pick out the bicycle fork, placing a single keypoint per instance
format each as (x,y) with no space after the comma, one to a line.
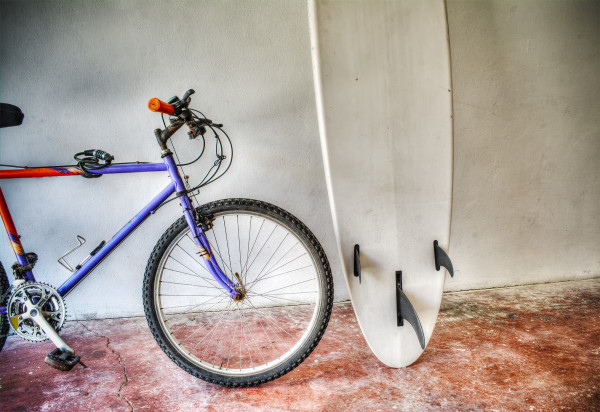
(204,249)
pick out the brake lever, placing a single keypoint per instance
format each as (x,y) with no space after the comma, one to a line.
(186,96)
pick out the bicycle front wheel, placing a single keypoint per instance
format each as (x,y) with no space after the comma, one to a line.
(286,285)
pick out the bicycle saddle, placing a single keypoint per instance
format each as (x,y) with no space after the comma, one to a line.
(10,115)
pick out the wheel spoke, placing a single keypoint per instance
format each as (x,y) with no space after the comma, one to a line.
(271,323)
(274,322)
(219,252)
(227,243)
(289,286)
(237,219)
(280,259)
(258,254)
(272,256)
(253,244)
(273,297)
(274,276)
(191,284)
(186,273)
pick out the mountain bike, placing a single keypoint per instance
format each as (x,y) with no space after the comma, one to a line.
(236,292)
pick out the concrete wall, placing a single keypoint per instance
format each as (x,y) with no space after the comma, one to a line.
(527,129)
(83,71)
(527,141)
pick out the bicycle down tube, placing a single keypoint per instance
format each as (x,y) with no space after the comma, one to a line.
(175,186)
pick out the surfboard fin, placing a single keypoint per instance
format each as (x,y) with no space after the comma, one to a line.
(357,273)
(442,259)
(406,311)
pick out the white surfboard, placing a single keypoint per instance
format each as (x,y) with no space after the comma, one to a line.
(383,90)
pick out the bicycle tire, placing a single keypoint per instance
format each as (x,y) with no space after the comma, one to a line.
(213,316)
(4,327)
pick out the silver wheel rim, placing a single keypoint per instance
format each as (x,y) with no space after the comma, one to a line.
(264,330)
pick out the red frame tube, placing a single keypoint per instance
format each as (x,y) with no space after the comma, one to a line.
(13,235)
(40,172)
(74,170)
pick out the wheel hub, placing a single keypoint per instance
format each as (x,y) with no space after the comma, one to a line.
(240,288)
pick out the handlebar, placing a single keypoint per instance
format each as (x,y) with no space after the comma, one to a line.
(179,115)
(157,105)
(174,106)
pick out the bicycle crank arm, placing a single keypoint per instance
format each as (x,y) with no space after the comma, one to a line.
(38,318)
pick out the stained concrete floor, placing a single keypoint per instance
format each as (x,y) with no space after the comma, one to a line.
(524,348)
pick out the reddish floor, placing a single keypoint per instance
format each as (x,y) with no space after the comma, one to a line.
(514,349)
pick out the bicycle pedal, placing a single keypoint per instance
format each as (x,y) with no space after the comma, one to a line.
(62,360)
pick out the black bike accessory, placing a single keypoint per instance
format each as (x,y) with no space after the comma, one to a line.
(19,271)
(10,115)
(405,310)
(357,271)
(90,160)
(196,131)
(62,360)
(32,258)
(92,253)
(442,259)
(177,105)
(186,96)
(99,154)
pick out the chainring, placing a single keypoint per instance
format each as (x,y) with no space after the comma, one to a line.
(33,294)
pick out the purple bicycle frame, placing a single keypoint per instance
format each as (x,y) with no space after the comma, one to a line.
(175,186)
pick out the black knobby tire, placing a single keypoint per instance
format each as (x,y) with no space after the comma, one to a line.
(4,285)
(273,328)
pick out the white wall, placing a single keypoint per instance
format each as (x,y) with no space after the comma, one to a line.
(83,71)
(527,129)
(527,141)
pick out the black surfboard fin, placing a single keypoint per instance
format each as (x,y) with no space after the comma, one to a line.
(406,311)
(442,259)
(357,272)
